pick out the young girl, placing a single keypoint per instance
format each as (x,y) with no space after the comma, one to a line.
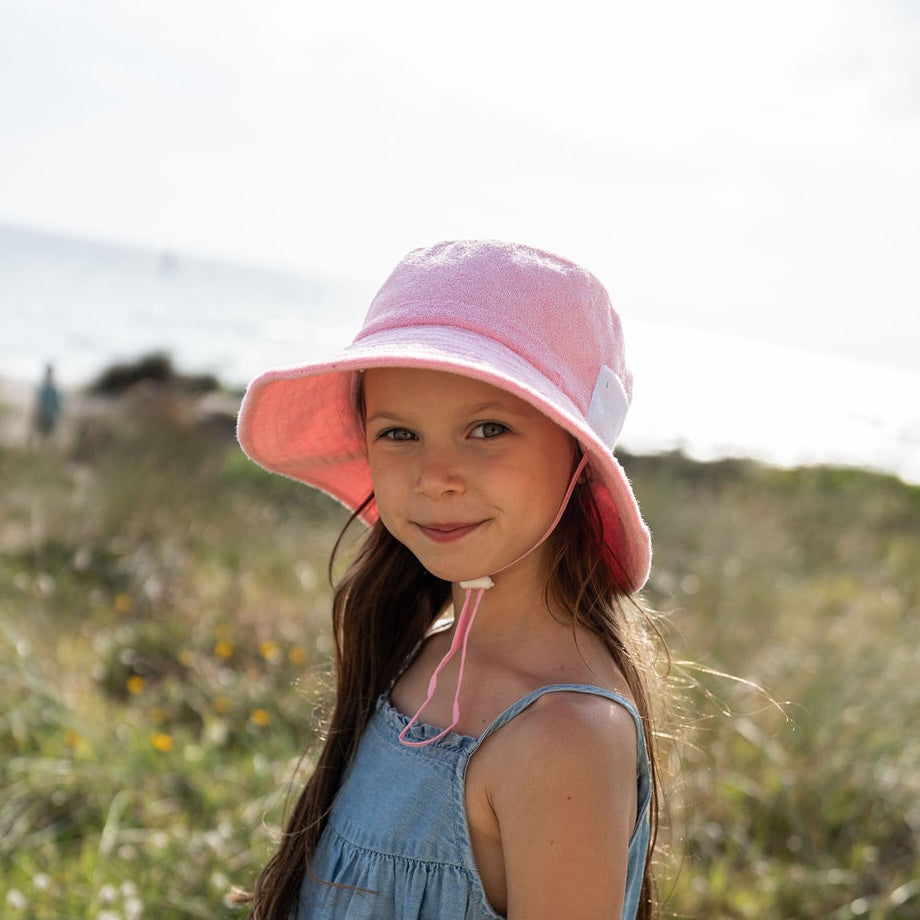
(501,765)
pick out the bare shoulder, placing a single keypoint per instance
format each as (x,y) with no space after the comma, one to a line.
(579,733)
(572,746)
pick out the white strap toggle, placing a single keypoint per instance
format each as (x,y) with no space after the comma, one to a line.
(484,582)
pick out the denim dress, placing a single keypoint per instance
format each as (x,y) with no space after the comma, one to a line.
(397,845)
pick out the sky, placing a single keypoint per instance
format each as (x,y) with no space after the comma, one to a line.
(745,168)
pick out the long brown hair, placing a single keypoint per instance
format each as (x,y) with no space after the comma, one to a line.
(383,606)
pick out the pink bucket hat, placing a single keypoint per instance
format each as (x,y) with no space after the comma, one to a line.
(527,321)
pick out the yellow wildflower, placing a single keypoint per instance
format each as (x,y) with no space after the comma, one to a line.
(270,651)
(221,705)
(223,649)
(260,717)
(135,684)
(297,655)
(162,742)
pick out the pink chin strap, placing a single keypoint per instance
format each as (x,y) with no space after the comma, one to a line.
(464,623)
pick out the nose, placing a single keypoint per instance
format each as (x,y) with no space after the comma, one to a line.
(439,472)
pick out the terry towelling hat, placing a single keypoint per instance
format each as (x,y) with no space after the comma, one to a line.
(527,321)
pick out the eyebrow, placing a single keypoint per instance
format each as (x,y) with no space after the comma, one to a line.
(476,409)
(479,408)
(381,416)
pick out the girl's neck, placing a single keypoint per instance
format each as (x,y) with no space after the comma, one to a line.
(516,603)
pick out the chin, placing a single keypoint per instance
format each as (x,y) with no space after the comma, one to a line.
(451,573)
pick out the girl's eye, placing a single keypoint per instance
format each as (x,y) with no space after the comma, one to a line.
(396,434)
(488,430)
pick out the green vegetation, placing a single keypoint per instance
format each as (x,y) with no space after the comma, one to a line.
(802,799)
(164,660)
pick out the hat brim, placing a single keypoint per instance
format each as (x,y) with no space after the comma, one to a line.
(300,422)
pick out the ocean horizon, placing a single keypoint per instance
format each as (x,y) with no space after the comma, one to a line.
(83,306)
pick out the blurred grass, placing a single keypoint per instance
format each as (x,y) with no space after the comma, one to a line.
(164,653)
(805,582)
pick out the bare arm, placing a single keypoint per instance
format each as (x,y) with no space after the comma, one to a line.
(566,807)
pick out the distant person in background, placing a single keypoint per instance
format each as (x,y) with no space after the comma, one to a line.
(48,404)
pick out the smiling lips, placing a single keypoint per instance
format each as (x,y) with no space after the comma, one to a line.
(446,533)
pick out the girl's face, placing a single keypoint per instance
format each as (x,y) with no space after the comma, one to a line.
(466,475)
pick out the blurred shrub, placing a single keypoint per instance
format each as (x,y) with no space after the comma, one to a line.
(156,368)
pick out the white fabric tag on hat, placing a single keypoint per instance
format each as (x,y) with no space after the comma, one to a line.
(609,404)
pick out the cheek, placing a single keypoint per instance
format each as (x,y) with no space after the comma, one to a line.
(559,457)
(386,489)
(390,510)
(383,500)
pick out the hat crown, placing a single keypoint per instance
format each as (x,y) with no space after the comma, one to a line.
(552,313)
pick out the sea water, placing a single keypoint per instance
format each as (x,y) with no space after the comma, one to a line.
(83,306)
